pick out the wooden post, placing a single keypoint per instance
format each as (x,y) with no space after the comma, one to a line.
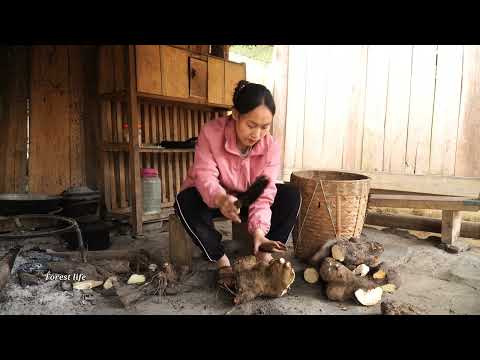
(136,200)
(180,244)
(451,223)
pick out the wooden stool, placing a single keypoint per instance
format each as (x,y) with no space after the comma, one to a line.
(181,246)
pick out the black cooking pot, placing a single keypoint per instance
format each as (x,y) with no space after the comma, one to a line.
(17,204)
(80,201)
(95,236)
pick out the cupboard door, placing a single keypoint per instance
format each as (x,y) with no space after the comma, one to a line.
(234,72)
(198,78)
(216,81)
(174,69)
(149,75)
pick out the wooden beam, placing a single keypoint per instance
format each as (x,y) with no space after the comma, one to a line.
(468,229)
(425,184)
(136,200)
(424,202)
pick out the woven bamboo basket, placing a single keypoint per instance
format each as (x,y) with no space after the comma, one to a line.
(334,206)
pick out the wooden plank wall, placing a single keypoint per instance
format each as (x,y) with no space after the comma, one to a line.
(393,109)
(13,118)
(63,118)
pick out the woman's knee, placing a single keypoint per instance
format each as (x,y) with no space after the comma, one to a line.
(291,194)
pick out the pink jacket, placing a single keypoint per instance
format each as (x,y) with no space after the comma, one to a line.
(219,168)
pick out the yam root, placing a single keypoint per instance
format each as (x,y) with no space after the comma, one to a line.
(255,279)
(390,307)
(323,252)
(355,252)
(311,275)
(342,282)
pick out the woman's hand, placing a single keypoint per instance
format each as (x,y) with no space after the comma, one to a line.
(261,243)
(226,205)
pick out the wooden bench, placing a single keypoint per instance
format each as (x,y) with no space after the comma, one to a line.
(182,248)
(451,207)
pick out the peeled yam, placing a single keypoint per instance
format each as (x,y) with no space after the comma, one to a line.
(369,297)
(109,282)
(136,279)
(87,284)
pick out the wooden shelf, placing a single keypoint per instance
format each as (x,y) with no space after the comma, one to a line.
(162,215)
(114,95)
(158,149)
(196,103)
(116,147)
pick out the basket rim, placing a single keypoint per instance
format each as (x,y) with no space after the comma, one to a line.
(300,172)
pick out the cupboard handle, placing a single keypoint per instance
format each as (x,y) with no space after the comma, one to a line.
(193,73)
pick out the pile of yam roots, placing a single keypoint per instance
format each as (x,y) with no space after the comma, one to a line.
(352,269)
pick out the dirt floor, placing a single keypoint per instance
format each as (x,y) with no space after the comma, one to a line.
(433,280)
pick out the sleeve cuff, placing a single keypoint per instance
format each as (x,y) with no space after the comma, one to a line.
(254,225)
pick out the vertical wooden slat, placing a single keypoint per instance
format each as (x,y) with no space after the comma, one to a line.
(195,122)
(280,88)
(121,161)
(315,96)
(119,67)
(105,114)
(183,136)
(49,162)
(295,107)
(163,159)
(200,119)
(154,133)
(146,132)
(106,76)
(421,109)
(133,115)
(169,157)
(396,121)
(77,93)
(175,157)
(339,80)
(446,110)
(468,149)
(170,160)
(352,151)
(14,89)
(189,134)
(112,164)
(375,105)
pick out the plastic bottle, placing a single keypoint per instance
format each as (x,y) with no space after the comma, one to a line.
(152,191)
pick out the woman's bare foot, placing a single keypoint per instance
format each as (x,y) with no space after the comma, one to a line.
(223,262)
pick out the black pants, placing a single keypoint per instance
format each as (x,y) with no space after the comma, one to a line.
(197,218)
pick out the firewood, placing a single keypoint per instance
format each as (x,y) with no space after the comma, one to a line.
(311,275)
